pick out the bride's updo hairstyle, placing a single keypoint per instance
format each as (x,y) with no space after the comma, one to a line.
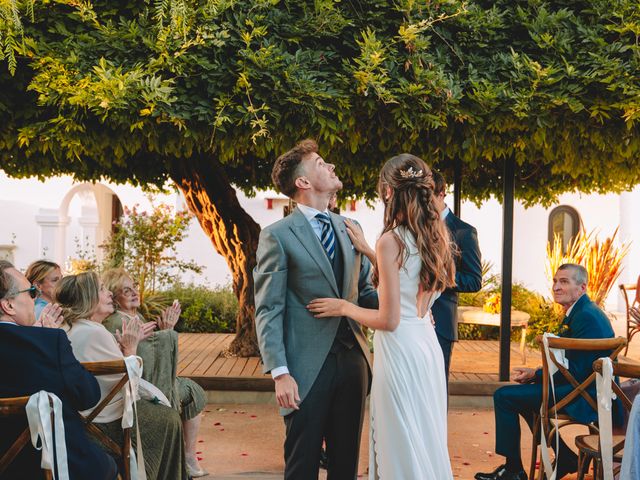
(406,188)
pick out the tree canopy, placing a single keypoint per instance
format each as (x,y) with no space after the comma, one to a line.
(208,93)
(124,89)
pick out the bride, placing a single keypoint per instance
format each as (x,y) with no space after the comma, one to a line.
(408,404)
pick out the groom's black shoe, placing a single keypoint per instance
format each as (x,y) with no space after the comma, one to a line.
(501,473)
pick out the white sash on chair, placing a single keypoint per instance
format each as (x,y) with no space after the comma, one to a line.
(134,370)
(39,417)
(605,397)
(544,448)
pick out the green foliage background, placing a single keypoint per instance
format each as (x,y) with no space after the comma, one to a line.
(205,310)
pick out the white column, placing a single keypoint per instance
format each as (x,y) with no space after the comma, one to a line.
(89,223)
(52,234)
(630,232)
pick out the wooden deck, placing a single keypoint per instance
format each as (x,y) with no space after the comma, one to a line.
(474,365)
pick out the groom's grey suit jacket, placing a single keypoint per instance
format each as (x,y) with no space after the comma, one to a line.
(293,269)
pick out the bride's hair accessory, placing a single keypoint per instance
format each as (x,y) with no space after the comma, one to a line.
(411,173)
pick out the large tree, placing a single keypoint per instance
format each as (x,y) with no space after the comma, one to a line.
(207,93)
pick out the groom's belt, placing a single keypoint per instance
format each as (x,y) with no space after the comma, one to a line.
(344,339)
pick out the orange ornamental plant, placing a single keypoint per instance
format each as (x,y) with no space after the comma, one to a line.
(602,259)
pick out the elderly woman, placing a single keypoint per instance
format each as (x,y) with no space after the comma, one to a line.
(159,353)
(86,304)
(44,275)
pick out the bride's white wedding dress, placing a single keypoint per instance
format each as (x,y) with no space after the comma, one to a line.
(408,404)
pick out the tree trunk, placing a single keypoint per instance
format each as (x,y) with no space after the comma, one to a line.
(232,231)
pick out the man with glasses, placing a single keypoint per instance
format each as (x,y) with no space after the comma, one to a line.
(35,359)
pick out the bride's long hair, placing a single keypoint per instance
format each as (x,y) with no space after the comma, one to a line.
(406,187)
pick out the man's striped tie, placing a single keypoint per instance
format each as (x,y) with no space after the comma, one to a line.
(327,238)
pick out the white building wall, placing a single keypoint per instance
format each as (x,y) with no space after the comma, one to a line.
(600,212)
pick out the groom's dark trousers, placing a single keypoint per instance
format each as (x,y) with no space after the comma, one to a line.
(333,410)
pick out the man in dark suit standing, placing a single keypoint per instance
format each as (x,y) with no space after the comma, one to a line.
(468,273)
(584,319)
(35,359)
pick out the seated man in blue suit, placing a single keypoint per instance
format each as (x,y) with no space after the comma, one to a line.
(35,359)
(583,319)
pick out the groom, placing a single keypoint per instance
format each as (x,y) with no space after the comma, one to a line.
(321,368)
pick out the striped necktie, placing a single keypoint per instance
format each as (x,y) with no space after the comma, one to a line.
(327,238)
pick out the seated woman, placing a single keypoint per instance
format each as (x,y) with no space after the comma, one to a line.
(44,275)
(86,303)
(160,355)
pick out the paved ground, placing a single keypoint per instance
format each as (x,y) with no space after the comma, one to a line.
(244,442)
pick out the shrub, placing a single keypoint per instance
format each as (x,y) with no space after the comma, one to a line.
(145,244)
(544,317)
(204,310)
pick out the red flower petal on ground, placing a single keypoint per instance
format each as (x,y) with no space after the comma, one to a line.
(466,463)
(254,416)
(244,454)
(217,424)
(200,441)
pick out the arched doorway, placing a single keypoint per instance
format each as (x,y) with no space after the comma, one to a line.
(564,221)
(84,222)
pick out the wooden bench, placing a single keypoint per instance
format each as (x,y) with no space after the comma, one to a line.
(477,316)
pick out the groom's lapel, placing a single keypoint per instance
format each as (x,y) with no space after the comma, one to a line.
(303,231)
(346,248)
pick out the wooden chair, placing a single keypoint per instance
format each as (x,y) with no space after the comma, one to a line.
(551,417)
(629,294)
(15,407)
(120,451)
(589,445)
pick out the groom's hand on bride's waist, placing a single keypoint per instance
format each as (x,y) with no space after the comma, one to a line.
(287,391)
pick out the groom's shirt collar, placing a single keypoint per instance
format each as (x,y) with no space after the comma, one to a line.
(310,214)
(445,212)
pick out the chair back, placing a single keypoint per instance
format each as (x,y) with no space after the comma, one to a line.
(629,294)
(15,407)
(110,367)
(616,345)
(626,370)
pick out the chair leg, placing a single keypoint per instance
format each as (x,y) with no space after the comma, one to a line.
(583,465)
(534,448)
